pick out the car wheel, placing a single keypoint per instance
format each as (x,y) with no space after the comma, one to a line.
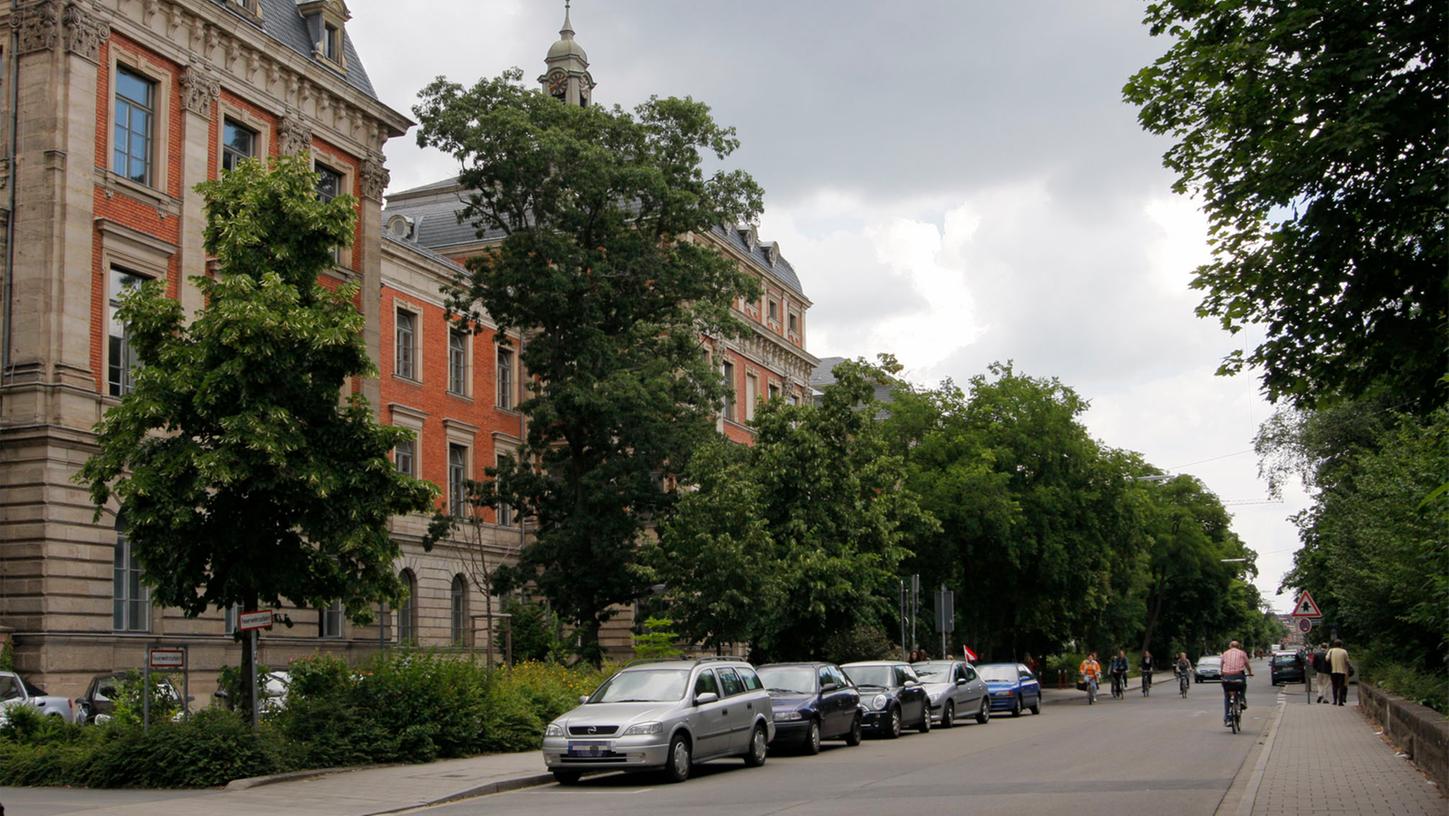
(894,730)
(984,715)
(1016,707)
(677,763)
(812,739)
(759,748)
(1036,706)
(925,726)
(854,735)
(948,714)
(567,777)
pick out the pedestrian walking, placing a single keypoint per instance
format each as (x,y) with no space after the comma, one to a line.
(1339,667)
(1319,660)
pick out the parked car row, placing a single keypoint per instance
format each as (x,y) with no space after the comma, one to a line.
(96,705)
(671,715)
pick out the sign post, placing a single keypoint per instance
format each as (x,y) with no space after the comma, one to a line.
(252,623)
(945,615)
(1305,612)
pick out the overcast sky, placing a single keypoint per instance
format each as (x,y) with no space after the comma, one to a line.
(955,182)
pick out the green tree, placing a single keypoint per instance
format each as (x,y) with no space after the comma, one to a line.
(597,265)
(240,476)
(1314,135)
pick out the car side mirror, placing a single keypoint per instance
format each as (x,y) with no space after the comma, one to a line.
(829,687)
(960,681)
(913,682)
(705,698)
(583,698)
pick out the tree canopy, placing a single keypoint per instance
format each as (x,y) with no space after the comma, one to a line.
(1314,135)
(598,266)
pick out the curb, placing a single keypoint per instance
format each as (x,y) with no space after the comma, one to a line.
(497,786)
(294,776)
(1255,781)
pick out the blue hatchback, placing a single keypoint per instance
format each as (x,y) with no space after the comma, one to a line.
(1012,687)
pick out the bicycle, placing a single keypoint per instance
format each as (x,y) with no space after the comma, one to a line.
(1089,685)
(1119,686)
(1146,683)
(1183,681)
(1235,689)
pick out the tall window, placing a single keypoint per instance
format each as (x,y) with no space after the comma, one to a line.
(238,144)
(130,600)
(329,182)
(505,378)
(504,511)
(457,475)
(458,362)
(794,323)
(332,43)
(405,457)
(407,614)
(773,390)
(407,344)
(728,369)
(752,392)
(135,125)
(459,596)
(121,360)
(231,618)
(774,310)
(330,620)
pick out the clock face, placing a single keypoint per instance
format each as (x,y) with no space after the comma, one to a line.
(557,84)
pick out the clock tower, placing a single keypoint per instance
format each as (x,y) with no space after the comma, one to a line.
(567,76)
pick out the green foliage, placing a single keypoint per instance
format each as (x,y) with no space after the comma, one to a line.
(7,656)
(1400,677)
(658,640)
(534,631)
(239,477)
(598,270)
(130,707)
(1314,136)
(863,641)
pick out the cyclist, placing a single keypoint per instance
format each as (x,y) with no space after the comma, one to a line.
(1235,665)
(1091,672)
(1182,667)
(1146,672)
(1118,668)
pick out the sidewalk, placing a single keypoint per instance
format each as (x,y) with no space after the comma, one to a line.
(1326,759)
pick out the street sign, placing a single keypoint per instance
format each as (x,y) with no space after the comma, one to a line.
(945,611)
(261,619)
(163,657)
(1306,607)
(1305,625)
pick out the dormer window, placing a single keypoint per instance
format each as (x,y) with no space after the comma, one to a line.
(325,27)
(251,8)
(400,227)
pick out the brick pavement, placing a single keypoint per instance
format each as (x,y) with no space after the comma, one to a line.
(1327,760)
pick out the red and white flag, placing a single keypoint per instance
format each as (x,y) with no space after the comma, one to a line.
(970,655)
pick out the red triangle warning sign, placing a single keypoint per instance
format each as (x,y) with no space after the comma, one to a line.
(1307,607)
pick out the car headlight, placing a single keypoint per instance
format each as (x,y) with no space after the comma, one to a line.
(792,714)
(553,730)
(644,729)
(878,702)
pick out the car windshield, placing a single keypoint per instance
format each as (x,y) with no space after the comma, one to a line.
(933,672)
(643,686)
(997,673)
(1285,659)
(9,689)
(789,679)
(870,675)
(1209,661)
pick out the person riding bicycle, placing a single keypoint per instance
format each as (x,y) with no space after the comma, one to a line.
(1235,665)
(1182,670)
(1091,670)
(1118,668)
(1146,668)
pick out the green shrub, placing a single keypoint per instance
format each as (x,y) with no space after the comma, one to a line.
(862,641)
(7,656)
(534,631)
(1405,681)
(657,641)
(510,722)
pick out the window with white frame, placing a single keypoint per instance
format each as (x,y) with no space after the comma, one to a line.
(457,479)
(238,143)
(458,362)
(506,386)
(752,392)
(727,370)
(134,131)
(329,620)
(794,322)
(406,356)
(774,390)
(121,360)
(329,182)
(405,456)
(407,613)
(504,511)
(130,599)
(230,618)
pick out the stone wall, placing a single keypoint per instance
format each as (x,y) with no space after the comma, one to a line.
(1419,731)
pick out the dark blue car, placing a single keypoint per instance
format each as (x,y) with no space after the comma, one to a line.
(1012,687)
(812,702)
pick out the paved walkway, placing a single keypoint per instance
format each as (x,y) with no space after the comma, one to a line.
(1327,760)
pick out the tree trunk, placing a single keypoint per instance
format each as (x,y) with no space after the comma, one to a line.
(589,647)
(1157,593)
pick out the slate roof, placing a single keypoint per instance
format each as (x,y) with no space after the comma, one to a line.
(782,271)
(282,22)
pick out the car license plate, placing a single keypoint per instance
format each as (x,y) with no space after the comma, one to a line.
(588,749)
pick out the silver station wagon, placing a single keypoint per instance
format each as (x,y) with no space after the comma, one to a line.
(664,715)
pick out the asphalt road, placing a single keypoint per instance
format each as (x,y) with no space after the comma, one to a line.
(1137,755)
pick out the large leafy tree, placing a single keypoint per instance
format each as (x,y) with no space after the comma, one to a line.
(242,474)
(1314,134)
(596,264)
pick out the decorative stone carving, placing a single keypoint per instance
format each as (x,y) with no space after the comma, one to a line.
(296,134)
(374,177)
(37,26)
(4,173)
(199,89)
(85,30)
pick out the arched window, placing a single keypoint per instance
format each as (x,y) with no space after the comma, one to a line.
(460,610)
(407,614)
(130,600)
